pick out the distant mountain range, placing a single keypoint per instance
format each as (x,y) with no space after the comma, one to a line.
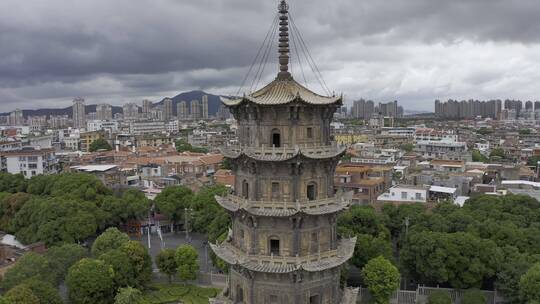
(214,103)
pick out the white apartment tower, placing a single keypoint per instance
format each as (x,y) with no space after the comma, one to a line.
(79,113)
(205,107)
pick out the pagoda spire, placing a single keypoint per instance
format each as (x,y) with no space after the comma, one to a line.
(283,50)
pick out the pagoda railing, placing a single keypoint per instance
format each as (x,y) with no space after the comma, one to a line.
(277,205)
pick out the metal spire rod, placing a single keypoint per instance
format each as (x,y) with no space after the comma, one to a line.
(283,9)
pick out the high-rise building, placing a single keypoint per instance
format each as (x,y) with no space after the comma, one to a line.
(284,246)
(79,113)
(529,106)
(146,107)
(16,118)
(195,109)
(131,111)
(205,107)
(468,109)
(390,109)
(167,109)
(104,112)
(182,110)
(363,109)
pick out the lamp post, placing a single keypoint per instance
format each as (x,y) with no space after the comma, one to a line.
(186,222)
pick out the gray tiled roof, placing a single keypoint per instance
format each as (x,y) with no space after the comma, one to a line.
(283,91)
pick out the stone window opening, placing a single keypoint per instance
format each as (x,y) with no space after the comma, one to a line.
(315,299)
(311,191)
(275,190)
(274,246)
(245,189)
(276,138)
(309,133)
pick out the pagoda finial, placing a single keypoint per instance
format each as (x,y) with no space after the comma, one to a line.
(283,9)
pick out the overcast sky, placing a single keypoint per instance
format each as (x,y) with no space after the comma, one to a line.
(119,51)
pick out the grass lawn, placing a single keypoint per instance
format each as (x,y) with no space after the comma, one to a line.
(175,293)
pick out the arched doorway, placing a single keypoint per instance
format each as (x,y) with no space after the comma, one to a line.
(239,294)
(311,191)
(276,138)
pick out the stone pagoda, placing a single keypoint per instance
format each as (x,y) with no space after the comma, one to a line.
(283,246)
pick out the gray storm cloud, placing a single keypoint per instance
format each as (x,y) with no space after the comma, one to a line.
(411,50)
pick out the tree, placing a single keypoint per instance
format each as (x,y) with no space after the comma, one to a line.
(100,144)
(44,291)
(439,297)
(187,260)
(368,247)
(166,262)
(90,281)
(183,146)
(12,183)
(514,265)
(140,260)
(128,295)
(111,239)
(473,296)
(21,294)
(172,202)
(124,272)
(407,147)
(460,259)
(498,152)
(477,156)
(529,285)
(30,265)
(9,206)
(533,161)
(62,257)
(382,279)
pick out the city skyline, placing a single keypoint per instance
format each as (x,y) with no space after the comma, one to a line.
(413,52)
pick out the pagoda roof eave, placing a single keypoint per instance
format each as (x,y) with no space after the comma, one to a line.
(277,264)
(281,154)
(285,209)
(283,91)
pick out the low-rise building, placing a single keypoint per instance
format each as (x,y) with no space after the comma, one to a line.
(29,162)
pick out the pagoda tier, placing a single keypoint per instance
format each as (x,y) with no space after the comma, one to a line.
(283,264)
(330,205)
(283,154)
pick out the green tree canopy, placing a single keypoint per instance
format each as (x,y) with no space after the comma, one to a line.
(497,152)
(439,297)
(473,296)
(184,146)
(9,206)
(100,144)
(62,257)
(30,265)
(140,260)
(21,294)
(529,285)
(44,291)
(172,202)
(187,260)
(460,259)
(12,183)
(166,262)
(90,281)
(111,239)
(124,272)
(479,157)
(381,278)
(128,295)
